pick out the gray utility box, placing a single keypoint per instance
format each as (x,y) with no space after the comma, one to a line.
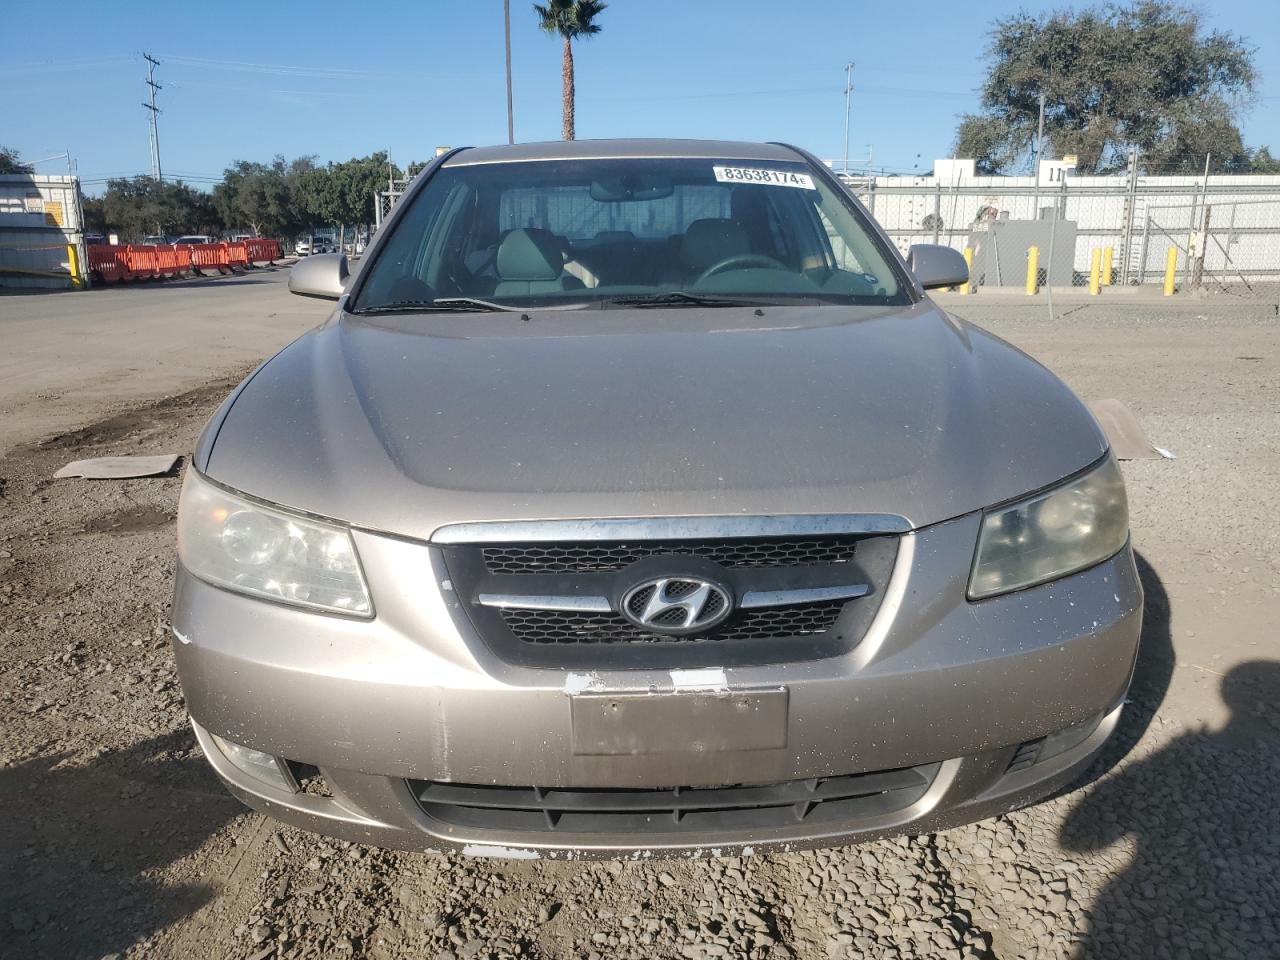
(1000,251)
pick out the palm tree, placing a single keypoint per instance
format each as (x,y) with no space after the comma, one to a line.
(571,19)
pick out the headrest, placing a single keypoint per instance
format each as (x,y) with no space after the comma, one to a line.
(709,241)
(530,254)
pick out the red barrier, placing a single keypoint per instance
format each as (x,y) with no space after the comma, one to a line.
(172,261)
(209,256)
(237,255)
(138,261)
(107,262)
(259,250)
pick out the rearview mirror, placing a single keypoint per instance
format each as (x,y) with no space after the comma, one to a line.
(322,275)
(937,266)
(631,187)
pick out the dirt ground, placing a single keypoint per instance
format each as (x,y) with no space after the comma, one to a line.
(117,840)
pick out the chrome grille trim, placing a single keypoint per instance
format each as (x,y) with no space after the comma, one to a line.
(669,528)
(515,601)
(755,599)
(752,600)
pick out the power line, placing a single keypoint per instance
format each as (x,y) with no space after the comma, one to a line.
(280,69)
(152,63)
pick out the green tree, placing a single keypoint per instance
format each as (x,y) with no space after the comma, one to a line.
(11,162)
(95,215)
(268,199)
(1261,161)
(570,20)
(343,193)
(1144,74)
(138,206)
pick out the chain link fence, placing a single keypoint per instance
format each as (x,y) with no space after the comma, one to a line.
(1218,236)
(384,200)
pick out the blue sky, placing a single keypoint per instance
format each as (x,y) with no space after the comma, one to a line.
(246,81)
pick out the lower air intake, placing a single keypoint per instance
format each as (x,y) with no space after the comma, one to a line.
(675,810)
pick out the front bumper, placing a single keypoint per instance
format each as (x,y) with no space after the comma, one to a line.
(939,683)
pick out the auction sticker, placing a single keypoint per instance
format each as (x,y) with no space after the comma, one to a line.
(762,175)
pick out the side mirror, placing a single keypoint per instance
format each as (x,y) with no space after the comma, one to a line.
(321,275)
(937,266)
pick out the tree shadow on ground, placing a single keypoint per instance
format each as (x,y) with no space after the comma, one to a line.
(80,846)
(1199,812)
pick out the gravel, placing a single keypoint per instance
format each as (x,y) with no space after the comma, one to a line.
(117,839)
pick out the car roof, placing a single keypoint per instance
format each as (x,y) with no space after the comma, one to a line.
(622,149)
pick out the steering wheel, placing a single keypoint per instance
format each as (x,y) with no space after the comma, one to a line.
(741,261)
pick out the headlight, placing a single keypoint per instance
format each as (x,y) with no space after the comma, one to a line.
(1073,526)
(250,548)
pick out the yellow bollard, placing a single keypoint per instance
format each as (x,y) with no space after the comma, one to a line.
(1170,270)
(73,262)
(1095,271)
(1033,270)
(967,286)
(1108,258)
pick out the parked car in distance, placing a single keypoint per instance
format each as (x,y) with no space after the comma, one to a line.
(637,500)
(155,238)
(195,238)
(311,245)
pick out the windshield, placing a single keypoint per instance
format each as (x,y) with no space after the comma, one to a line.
(579,233)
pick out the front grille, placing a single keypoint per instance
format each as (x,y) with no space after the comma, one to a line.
(558,636)
(555,626)
(703,810)
(602,557)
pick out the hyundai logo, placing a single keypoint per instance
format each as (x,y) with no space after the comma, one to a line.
(676,605)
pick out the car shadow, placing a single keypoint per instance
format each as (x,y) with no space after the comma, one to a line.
(1194,817)
(82,847)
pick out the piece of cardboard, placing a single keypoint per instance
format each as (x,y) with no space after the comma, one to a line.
(1128,439)
(119,468)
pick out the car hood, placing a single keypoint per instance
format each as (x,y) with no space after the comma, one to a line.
(407,423)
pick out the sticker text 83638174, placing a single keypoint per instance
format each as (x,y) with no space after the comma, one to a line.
(762,175)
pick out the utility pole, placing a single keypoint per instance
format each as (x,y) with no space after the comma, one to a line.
(1035,161)
(1035,167)
(506,19)
(1130,210)
(152,63)
(848,92)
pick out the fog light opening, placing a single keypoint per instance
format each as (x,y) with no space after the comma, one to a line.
(309,779)
(1031,752)
(261,766)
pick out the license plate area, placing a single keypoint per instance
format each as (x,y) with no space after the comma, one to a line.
(634,724)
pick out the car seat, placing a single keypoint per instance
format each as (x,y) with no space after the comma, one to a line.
(710,240)
(530,261)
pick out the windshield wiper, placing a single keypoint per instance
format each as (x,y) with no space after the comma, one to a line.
(441,305)
(682,298)
(474,303)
